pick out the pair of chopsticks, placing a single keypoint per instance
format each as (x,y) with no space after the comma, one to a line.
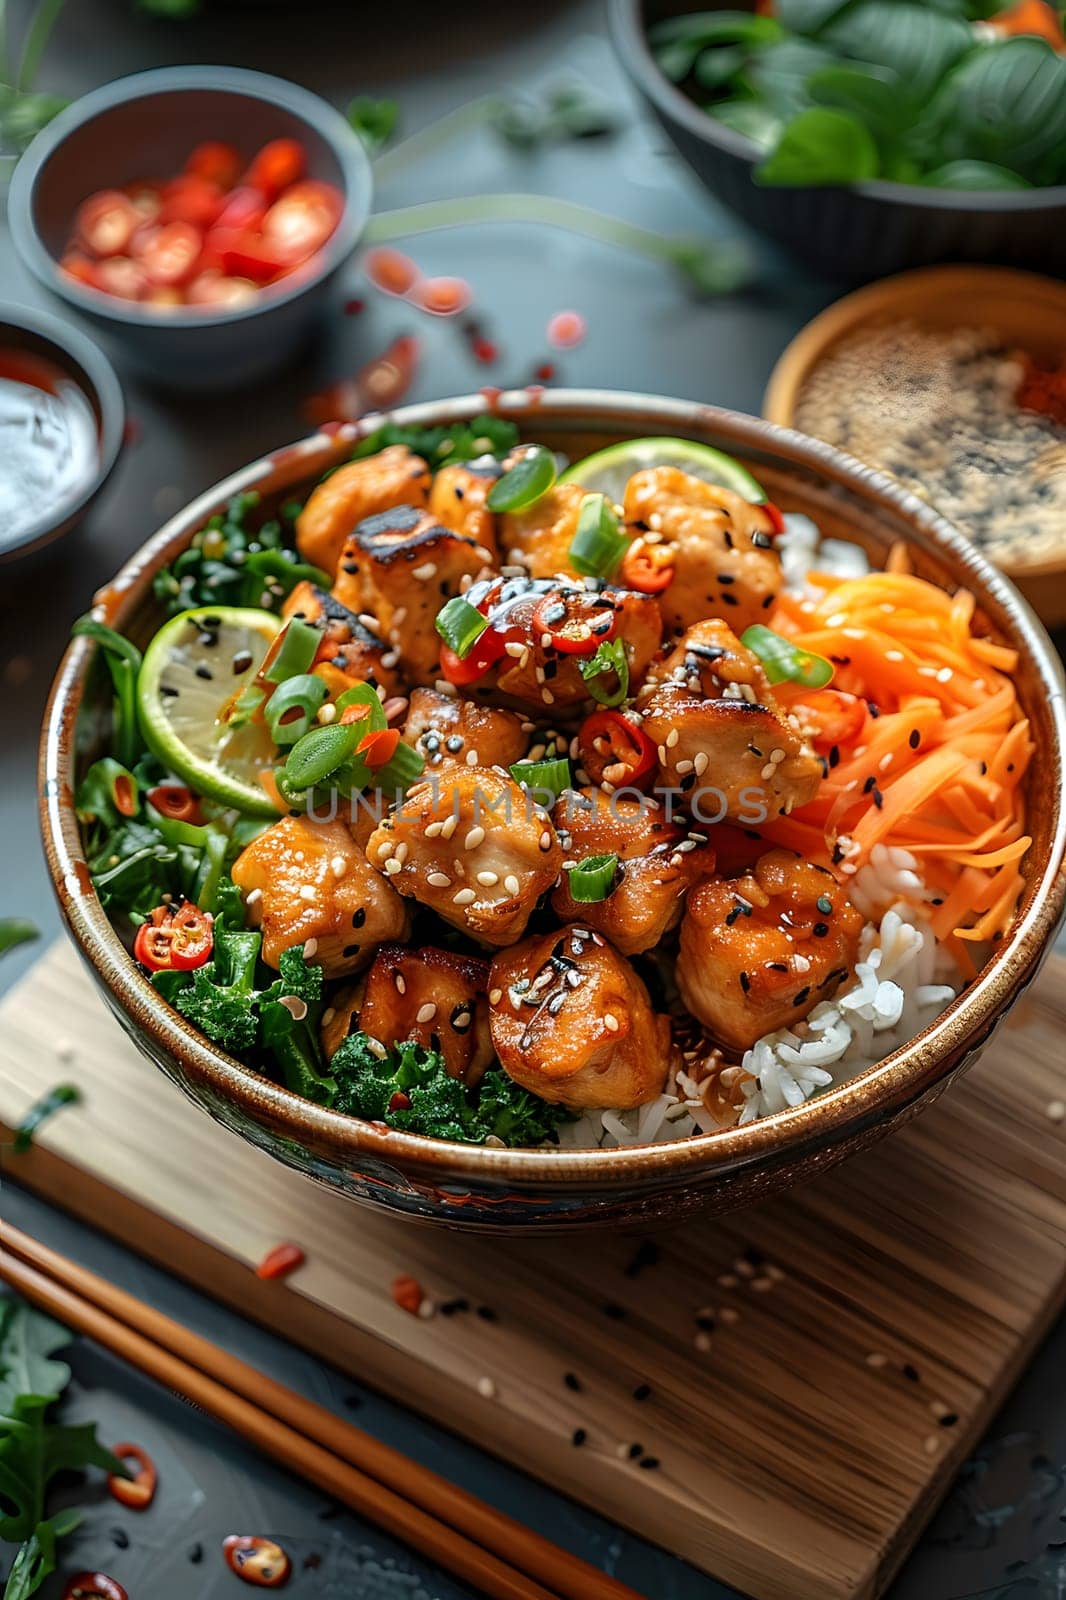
(483,1547)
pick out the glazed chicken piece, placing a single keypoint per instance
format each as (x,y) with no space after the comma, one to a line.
(539,539)
(400,566)
(355,651)
(552,626)
(306,880)
(721,737)
(448,728)
(458,498)
(473,846)
(351,494)
(573,1023)
(658,866)
(758,952)
(435,997)
(724,560)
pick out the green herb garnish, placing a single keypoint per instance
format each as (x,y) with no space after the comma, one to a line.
(552,776)
(599,542)
(784,661)
(64,1094)
(609,661)
(526,482)
(460,625)
(592,879)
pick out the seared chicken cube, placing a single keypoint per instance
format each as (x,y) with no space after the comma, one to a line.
(305,880)
(723,556)
(475,847)
(657,866)
(446,727)
(354,492)
(721,737)
(573,1023)
(552,628)
(458,498)
(350,645)
(401,566)
(437,998)
(758,952)
(539,539)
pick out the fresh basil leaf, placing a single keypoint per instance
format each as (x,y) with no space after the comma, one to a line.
(820,146)
(915,42)
(807,16)
(715,68)
(975,175)
(750,118)
(1006,104)
(872,94)
(702,28)
(779,74)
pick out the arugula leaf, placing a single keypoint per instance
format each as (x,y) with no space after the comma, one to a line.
(807,16)
(35,1560)
(28,1372)
(821,146)
(873,95)
(779,74)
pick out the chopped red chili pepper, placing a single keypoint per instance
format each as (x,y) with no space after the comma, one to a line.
(648,567)
(777,519)
(834,717)
(615,749)
(175,801)
(138,1492)
(175,939)
(279,1262)
(258,1561)
(219,163)
(378,748)
(94,1586)
(407,1293)
(573,621)
(484,653)
(125,795)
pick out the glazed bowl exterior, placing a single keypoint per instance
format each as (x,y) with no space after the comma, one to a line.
(522,1190)
(148,124)
(853,233)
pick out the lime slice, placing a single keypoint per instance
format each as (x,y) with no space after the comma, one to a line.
(608,471)
(192,669)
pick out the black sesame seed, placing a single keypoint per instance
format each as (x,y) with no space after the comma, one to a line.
(877,797)
(820,930)
(205,673)
(646,1255)
(487,1314)
(834,756)
(727,599)
(915,739)
(578,1436)
(802,997)
(350,950)
(949,1419)
(196,1554)
(572,1381)
(635,1450)
(450,1308)
(726,577)
(911,1372)
(165,689)
(745,982)
(642,1391)
(359,917)
(615,1312)
(120,1538)
(649,1463)
(871,783)
(242,661)
(873,710)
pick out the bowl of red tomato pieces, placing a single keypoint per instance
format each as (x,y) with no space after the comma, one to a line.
(199,217)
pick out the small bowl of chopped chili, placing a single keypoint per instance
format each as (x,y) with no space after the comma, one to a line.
(952,379)
(63,418)
(198,217)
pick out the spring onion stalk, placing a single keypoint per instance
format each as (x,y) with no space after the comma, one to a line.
(400,771)
(710,266)
(610,659)
(319,753)
(599,542)
(553,776)
(592,879)
(297,647)
(460,625)
(124,663)
(291,709)
(783,661)
(527,481)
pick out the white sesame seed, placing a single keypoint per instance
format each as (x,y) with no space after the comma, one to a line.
(427,1308)
(702,1341)
(465,897)
(474,837)
(328,1016)
(610,1022)
(426,1013)
(369,621)
(401,851)
(310,949)
(384,849)
(662,754)
(511,884)
(432,829)
(486,1387)
(448,826)
(944,675)
(701,763)
(308,891)
(547,696)
(401,982)
(1056,1110)
(427,570)
(253,898)
(376,1048)
(471,758)
(439,880)
(488,879)
(515,648)
(392,866)
(683,766)
(495,996)
(390,659)
(338,866)
(876,1359)
(671,738)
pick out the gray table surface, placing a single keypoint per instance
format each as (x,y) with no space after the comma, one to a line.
(1000,1531)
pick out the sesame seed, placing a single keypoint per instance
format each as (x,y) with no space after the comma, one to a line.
(465,897)
(701,763)
(433,829)
(307,891)
(400,982)
(495,996)
(487,1388)
(671,738)
(448,826)
(511,884)
(439,880)
(1056,1110)
(426,1013)
(488,879)
(545,840)
(310,949)
(338,866)
(610,1022)
(471,758)
(474,837)
(392,866)
(427,570)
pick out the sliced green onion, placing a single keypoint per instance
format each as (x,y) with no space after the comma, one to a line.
(64,1094)
(364,695)
(291,708)
(297,649)
(319,753)
(553,776)
(530,478)
(460,625)
(400,771)
(599,543)
(124,663)
(785,662)
(593,878)
(610,658)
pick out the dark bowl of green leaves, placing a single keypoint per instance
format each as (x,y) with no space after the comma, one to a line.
(866,136)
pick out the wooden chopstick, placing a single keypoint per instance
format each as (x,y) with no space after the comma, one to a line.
(461,1533)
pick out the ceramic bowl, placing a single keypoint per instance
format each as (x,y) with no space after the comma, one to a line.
(522,1190)
(1023,308)
(147,125)
(851,233)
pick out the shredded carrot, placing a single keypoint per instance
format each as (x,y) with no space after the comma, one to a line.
(938,767)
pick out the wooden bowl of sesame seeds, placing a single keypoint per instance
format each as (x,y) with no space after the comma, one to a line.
(943,377)
(488,1189)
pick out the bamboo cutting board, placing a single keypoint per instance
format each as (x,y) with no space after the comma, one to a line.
(781,1396)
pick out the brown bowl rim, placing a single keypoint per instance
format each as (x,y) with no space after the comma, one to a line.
(897,1082)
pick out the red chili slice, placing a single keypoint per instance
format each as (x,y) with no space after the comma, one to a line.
(484,654)
(378,748)
(258,1561)
(174,800)
(245,254)
(105,222)
(278,164)
(170,254)
(151,947)
(302,219)
(391,271)
(441,297)
(776,517)
(193,938)
(608,741)
(94,1586)
(219,163)
(191,199)
(138,1492)
(574,622)
(835,717)
(648,568)
(407,1293)
(124,791)
(279,1262)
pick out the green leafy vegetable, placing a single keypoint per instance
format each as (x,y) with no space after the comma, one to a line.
(568,111)
(231,563)
(33,1448)
(124,663)
(820,146)
(408,1088)
(64,1094)
(375,121)
(462,441)
(221,997)
(24,111)
(15,931)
